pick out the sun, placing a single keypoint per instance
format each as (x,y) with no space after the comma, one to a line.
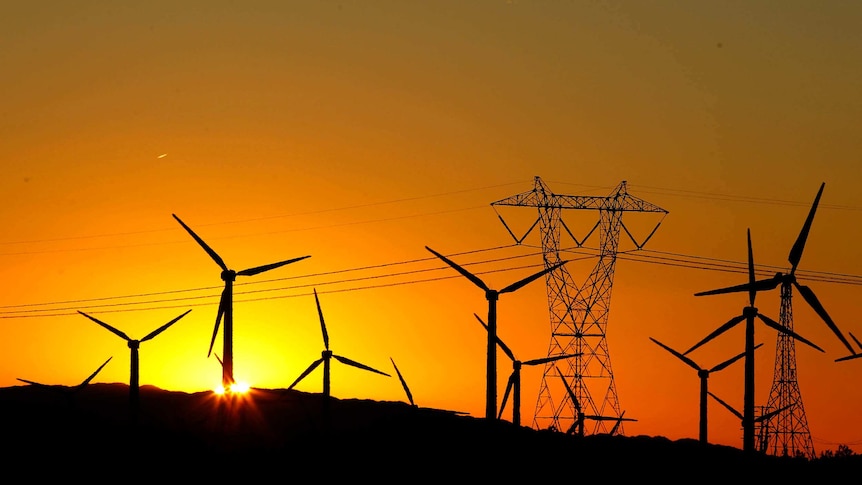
(235,388)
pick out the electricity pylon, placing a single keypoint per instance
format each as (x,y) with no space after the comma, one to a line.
(789,434)
(579,315)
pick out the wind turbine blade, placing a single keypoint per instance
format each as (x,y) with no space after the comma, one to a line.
(569,391)
(781,328)
(751,291)
(222,305)
(110,328)
(796,251)
(322,323)
(403,383)
(682,357)
(731,360)
(499,341)
(727,326)
(770,414)
(855,340)
(849,357)
(760,285)
(345,360)
(204,245)
(470,276)
(33,383)
(267,267)
(728,406)
(812,301)
(509,385)
(617,425)
(164,327)
(531,278)
(552,358)
(87,380)
(306,372)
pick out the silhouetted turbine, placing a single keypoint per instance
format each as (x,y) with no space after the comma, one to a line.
(403,383)
(225,307)
(514,384)
(492,296)
(580,417)
(68,390)
(788,280)
(759,419)
(704,381)
(325,357)
(134,387)
(748,315)
(853,354)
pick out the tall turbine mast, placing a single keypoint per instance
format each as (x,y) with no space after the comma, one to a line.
(579,315)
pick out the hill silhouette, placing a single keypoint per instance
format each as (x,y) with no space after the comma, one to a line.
(277,433)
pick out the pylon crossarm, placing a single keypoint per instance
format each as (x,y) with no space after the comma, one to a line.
(582,241)
(649,236)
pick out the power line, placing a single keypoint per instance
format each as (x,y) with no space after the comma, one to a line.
(641,256)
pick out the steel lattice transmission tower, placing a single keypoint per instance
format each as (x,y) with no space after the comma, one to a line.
(787,433)
(579,315)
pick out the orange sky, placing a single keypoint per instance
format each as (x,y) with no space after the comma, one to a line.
(360,132)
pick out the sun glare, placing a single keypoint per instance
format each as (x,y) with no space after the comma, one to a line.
(235,388)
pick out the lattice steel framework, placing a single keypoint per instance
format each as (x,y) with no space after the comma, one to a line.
(579,315)
(787,433)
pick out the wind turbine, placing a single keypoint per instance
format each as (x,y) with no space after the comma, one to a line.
(578,426)
(134,386)
(749,313)
(492,296)
(326,356)
(853,354)
(68,390)
(225,307)
(514,383)
(759,419)
(788,280)
(403,383)
(704,381)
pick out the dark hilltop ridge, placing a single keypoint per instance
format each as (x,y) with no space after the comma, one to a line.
(92,433)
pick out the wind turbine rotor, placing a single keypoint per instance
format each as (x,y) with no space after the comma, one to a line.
(204,245)
(163,327)
(727,326)
(306,372)
(470,276)
(502,345)
(322,322)
(403,382)
(796,251)
(529,279)
(222,307)
(345,360)
(267,267)
(110,328)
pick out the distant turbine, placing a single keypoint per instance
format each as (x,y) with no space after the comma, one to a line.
(325,357)
(68,390)
(748,314)
(492,296)
(759,419)
(225,307)
(514,383)
(578,426)
(704,381)
(403,383)
(134,387)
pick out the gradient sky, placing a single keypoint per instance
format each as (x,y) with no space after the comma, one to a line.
(360,132)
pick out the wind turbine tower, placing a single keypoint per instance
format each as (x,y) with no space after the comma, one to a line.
(579,315)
